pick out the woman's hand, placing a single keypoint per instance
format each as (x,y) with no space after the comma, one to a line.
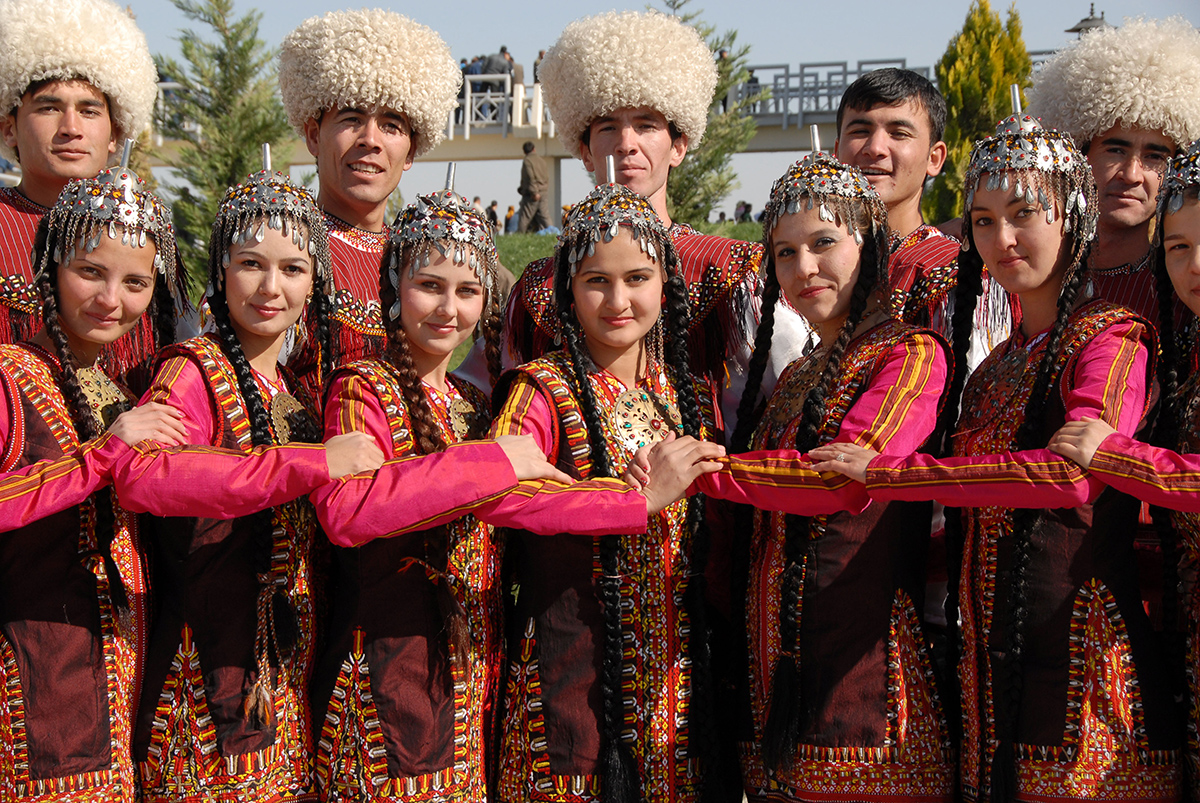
(637,473)
(527,460)
(671,467)
(151,421)
(352,453)
(1078,440)
(847,459)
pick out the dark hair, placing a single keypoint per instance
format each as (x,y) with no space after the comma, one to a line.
(427,437)
(1025,521)
(619,771)
(892,86)
(527,147)
(781,731)
(162,312)
(282,616)
(1173,414)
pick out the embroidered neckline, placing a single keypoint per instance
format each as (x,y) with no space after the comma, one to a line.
(1123,270)
(358,237)
(19,199)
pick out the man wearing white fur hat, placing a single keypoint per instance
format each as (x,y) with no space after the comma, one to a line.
(1128,97)
(638,87)
(76,78)
(368,91)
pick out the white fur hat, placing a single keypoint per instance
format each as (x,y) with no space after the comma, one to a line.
(619,60)
(1143,74)
(95,40)
(374,59)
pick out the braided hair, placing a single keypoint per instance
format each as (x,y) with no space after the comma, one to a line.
(823,186)
(48,240)
(419,230)
(1062,188)
(1175,410)
(269,200)
(620,776)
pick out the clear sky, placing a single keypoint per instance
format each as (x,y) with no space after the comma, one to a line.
(777,31)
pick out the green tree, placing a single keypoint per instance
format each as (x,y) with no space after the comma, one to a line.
(227,107)
(974,75)
(705,177)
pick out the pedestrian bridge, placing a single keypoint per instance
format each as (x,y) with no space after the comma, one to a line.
(494,118)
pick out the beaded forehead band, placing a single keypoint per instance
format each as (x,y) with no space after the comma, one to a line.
(267,199)
(600,216)
(116,198)
(1041,165)
(445,221)
(1182,173)
(841,194)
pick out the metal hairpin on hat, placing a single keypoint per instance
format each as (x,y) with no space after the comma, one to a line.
(1038,163)
(116,196)
(446,222)
(268,199)
(837,191)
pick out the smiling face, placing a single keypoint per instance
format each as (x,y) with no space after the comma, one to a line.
(1023,252)
(1127,164)
(102,294)
(639,140)
(62,130)
(440,306)
(266,287)
(1181,251)
(891,144)
(817,263)
(618,297)
(361,156)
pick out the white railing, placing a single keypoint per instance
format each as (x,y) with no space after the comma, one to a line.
(492,104)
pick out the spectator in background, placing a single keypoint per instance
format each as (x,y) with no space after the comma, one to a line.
(510,221)
(517,70)
(537,65)
(493,216)
(535,180)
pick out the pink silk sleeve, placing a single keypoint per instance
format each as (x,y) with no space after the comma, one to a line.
(1150,473)
(895,415)
(600,506)
(409,492)
(203,479)
(1108,381)
(51,486)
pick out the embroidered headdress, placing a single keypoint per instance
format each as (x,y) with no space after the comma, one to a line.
(1182,174)
(371,59)
(1141,74)
(1039,163)
(447,222)
(94,40)
(626,60)
(840,193)
(116,203)
(600,216)
(267,199)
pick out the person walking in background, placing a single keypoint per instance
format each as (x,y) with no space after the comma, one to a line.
(511,220)
(493,216)
(537,65)
(535,207)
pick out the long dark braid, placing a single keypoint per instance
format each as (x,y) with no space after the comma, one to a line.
(1025,523)
(717,777)
(748,405)
(492,327)
(967,290)
(1172,412)
(781,732)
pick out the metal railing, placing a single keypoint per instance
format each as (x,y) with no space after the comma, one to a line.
(492,104)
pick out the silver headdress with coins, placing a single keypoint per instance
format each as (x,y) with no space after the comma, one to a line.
(267,199)
(840,193)
(447,222)
(1183,173)
(600,216)
(115,203)
(1040,164)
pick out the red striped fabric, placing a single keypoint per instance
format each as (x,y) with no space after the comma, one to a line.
(19,219)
